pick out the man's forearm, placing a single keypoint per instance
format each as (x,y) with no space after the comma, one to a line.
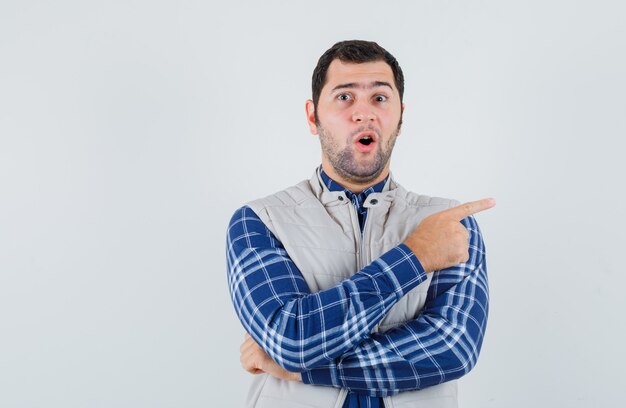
(440,345)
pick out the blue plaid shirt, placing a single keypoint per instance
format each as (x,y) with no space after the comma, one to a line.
(327,335)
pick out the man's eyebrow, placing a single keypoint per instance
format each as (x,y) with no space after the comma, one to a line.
(373,84)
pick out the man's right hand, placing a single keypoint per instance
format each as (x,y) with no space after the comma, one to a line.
(440,240)
(255,361)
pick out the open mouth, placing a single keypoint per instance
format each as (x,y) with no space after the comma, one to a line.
(366,140)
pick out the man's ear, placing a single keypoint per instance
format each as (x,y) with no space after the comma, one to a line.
(401,114)
(310,116)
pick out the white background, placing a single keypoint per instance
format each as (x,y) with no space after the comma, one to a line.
(130,131)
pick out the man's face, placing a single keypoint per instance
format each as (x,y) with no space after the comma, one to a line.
(359,112)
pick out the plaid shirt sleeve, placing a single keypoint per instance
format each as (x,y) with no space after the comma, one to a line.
(298,329)
(440,345)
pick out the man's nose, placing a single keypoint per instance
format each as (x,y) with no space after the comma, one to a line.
(362,113)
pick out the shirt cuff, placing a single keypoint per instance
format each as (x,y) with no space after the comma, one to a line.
(403,268)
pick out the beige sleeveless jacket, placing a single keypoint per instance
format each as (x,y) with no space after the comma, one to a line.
(320,231)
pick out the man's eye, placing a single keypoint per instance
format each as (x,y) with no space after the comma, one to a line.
(344,97)
(380,98)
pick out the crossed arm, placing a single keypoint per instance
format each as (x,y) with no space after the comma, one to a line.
(326,336)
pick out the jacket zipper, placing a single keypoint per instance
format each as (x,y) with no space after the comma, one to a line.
(358,235)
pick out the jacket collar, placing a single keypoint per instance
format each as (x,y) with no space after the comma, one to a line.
(332,198)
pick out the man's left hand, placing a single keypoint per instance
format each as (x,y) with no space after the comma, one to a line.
(255,361)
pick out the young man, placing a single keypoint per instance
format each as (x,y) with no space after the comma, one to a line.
(347,281)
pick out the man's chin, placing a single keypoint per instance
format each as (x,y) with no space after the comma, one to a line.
(364,175)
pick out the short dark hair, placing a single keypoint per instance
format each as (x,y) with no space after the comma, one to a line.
(354,51)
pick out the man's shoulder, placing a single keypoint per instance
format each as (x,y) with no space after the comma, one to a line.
(290,196)
(412,199)
(259,210)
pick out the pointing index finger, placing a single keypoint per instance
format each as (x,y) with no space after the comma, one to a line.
(471,207)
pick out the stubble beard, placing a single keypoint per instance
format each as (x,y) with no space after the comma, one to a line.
(344,161)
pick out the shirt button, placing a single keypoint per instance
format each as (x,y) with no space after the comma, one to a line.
(374,201)
(340,198)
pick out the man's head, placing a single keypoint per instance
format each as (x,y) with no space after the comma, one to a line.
(356,52)
(357,111)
